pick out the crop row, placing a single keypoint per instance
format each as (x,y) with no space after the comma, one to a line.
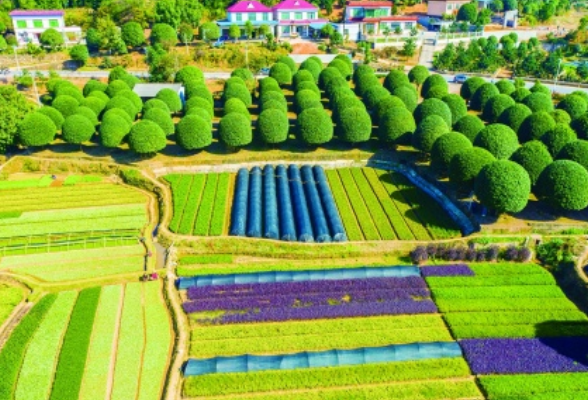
(72,358)
(217,222)
(547,329)
(484,282)
(24,183)
(433,216)
(498,292)
(359,206)
(321,378)
(13,351)
(528,356)
(38,367)
(396,219)
(180,188)
(556,386)
(191,206)
(74,179)
(513,317)
(206,206)
(206,259)
(404,208)
(513,304)
(158,338)
(429,390)
(378,214)
(130,345)
(10,296)
(76,255)
(347,215)
(95,380)
(436,274)
(349,339)
(491,269)
(77,213)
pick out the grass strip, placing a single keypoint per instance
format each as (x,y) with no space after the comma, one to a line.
(217,222)
(375,208)
(398,223)
(95,379)
(361,212)
(130,345)
(546,329)
(432,214)
(429,390)
(404,208)
(13,352)
(490,269)
(345,211)
(10,297)
(513,386)
(9,215)
(72,359)
(158,341)
(204,213)
(206,259)
(192,204)
(38,367)
(490,281)
(180,187)
(513,304)
(498,292)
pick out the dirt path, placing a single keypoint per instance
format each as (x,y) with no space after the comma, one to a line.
(110,381)
(17,315)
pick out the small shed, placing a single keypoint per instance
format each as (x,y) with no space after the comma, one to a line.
(148,91)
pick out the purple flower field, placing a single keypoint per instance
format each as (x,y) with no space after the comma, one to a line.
(282,301)
(447,270)
(526,356)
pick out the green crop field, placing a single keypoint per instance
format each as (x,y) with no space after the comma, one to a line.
(10,296)
(378,205)
(200,203)
(77,264)
(70,346)
(506,301)
(294,336)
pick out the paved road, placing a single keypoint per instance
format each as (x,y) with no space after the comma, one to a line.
(559,87)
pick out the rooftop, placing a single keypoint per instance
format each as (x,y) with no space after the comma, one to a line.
(151,89)
(36,13)
(248,6)
(369,4)
(295,5)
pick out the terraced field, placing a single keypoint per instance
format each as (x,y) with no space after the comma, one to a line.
(10,297)
(378,205)
(77,345)
(74,221)
(201,203)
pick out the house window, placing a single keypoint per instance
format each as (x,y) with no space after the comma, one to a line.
(286,30)
(298,16)
(38,23)
(311,15)
(265,16)
(370,28)
(369,13)
(239,17)
(53,23)
(21,24)
(356,12)
(284,15)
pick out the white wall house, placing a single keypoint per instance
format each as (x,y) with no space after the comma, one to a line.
(243,11)
(30,24)
(436,8)
(297,18)
(369,18)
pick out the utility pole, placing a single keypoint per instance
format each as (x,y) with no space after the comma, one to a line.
(555,79)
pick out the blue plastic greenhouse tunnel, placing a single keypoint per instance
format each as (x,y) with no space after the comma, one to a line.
(285,203)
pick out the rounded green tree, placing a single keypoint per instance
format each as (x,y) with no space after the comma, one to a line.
(164,35)
(482,95)
(469,126)
(396,126)
(395,79)
(235,130)
(289,61)
(561,117)
(88,113)
(575,151)
(235,105)
(535,126)
(315,126)
(281,73)
(155,103)
(273,126)
(189,74)
(113,129)
(563,185)
(470,86)
(193,133)
(66,105)
(503,186)
(418,74)
(539,102)
(499,140)
(520,94)
(171,98)
(457,106)
(431,82)
(124,104)
(239,91)
(77,129)
(534,157)
(574,105)
(505,87)
(556,138)
(147,137)
(354,126)
(496,106)
(427,132)
(408,95)
(433,107)
(161,118)
(465,166)
(36,129)
(55,115)
(95,104)
(514,116)
(446,147)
